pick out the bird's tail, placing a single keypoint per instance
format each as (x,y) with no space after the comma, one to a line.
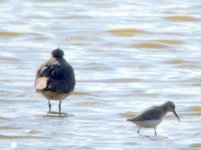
(131,120)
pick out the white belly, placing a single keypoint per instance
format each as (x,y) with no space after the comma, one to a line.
(148,123)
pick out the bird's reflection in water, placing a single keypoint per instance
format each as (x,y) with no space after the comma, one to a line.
(56,114)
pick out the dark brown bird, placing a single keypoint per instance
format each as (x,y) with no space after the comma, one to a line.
(55,79)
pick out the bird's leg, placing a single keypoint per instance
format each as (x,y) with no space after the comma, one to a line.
(138,131)
(49,104)
(155,131)
(60,108)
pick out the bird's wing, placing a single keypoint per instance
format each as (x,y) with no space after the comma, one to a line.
(51,71)
(55,77)
(153,113)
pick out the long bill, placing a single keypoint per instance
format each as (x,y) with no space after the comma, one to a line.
(176,115)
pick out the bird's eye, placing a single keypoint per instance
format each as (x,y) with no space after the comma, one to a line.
(53,74)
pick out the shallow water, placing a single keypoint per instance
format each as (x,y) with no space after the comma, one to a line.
(127,56)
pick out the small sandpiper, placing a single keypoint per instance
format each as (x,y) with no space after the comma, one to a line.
(55,79)
(152,116)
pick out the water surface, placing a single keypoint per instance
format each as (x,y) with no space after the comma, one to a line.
(127,56)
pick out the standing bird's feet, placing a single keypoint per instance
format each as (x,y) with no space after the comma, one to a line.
(49,104)
(155,131)
(138,131)
(59,108)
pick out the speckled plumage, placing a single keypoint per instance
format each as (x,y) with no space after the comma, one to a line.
(55,78)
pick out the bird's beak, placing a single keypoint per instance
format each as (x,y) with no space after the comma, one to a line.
(176,115)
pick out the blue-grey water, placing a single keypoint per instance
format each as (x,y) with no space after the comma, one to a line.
(127,56)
